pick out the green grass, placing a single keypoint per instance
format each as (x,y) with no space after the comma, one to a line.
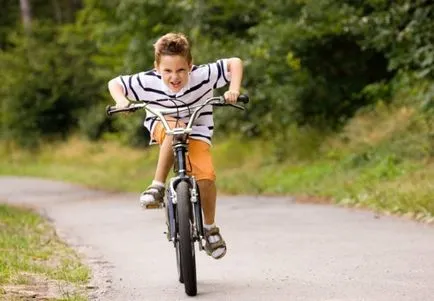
(103,165)
(381,160)
(31,253)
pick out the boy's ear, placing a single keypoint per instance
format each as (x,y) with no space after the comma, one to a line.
(155,65)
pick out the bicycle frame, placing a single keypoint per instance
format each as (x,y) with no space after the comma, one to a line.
(187,227)
(180,146)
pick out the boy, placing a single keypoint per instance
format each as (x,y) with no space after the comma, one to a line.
(174,76)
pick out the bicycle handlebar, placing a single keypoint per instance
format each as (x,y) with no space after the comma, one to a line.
(134,106)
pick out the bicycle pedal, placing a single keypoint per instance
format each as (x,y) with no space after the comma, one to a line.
(154,206)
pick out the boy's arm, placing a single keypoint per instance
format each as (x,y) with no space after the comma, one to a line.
(117,92)
(235,68)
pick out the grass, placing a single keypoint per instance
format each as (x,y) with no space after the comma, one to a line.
(34,260)
(103,165)
(381,160)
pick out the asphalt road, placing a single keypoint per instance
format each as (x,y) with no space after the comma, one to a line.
(277,249)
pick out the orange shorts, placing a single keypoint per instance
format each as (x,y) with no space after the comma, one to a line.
(199,160)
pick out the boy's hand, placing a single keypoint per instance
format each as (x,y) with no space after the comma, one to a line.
(122,104)
(231,97)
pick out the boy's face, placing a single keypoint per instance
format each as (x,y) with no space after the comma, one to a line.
(174,70)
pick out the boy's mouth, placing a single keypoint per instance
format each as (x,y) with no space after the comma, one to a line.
(176,85)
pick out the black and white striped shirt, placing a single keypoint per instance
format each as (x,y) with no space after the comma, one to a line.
(203,79)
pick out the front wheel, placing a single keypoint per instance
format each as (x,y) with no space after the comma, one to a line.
(178,263)
(187,261)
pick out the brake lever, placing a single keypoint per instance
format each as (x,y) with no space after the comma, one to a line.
(239,107)
(229,104)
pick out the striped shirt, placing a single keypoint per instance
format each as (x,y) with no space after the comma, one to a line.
(203,79)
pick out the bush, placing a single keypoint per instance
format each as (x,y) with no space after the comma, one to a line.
(46,84)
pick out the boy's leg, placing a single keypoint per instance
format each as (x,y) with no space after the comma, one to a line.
(199,156)
(165,160)
(203,171)
(153,196)
(208,196)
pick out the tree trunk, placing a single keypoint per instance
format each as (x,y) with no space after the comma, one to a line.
(57,11)
(26,15)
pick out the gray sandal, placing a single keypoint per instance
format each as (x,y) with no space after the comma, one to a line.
(212,247)
(152,197)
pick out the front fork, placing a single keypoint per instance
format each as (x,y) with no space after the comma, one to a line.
(171,203)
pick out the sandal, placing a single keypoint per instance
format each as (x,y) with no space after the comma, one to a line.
(216,249)
(152,197)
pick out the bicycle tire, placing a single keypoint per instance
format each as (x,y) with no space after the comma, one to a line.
(173,232)
(198,213)
(186,243)
(178,263)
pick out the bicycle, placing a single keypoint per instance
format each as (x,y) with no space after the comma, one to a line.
(183,206)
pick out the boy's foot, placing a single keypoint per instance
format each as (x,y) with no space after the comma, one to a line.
(215,246)
(152,197)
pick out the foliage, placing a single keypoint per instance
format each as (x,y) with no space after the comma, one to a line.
(403,30)
(48,84)
(382,159)
(310,64)
(8,20)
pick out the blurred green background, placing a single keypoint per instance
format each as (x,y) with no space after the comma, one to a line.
(342,94)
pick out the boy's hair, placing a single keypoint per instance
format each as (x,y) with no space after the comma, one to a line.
(172,44)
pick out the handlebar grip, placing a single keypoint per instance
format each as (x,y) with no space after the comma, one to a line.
(110,110)
(244,98)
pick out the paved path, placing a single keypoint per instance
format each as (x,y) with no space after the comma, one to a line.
(277,249)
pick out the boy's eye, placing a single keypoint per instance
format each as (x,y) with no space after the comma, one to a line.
(180,71)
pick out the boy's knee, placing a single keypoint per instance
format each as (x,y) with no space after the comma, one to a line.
(201,161)
(206,184)
(205,176)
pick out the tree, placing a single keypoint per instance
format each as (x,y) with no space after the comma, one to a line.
(403,30)
(26,15)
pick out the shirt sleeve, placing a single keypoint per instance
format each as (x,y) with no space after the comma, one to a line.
(219,75)
(131,84)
